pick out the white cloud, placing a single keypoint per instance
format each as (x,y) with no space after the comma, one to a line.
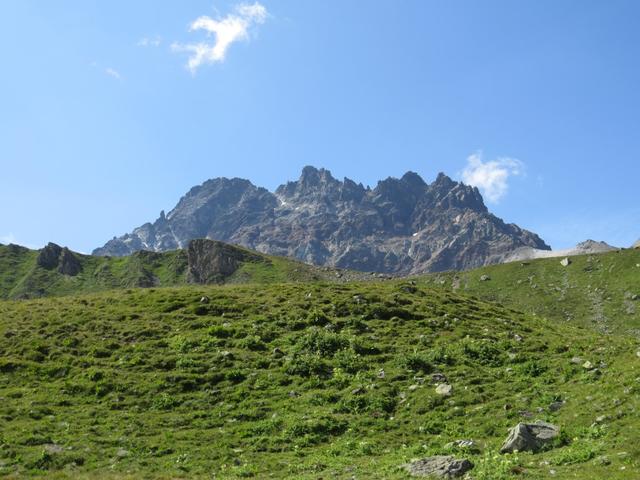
(150,42)
(491,177)
(113,73)
(227,30)
(8,238)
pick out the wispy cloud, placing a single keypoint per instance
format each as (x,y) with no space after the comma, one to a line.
(11,238)
(8,238)
(227,30)
(150,42)
(491,177)
(112,72)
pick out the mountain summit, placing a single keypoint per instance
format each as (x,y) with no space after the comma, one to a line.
(403,226)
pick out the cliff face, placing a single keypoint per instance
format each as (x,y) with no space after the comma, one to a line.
(402,226)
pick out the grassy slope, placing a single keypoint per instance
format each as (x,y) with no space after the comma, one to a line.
(151,383)
(20,277)
(593,291)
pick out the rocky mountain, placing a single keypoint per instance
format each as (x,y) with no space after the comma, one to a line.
(583,248)
(637,244)
(402,226)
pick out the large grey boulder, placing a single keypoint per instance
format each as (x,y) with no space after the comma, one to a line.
(530,437)
(55,257)
(443,466)
(211,262)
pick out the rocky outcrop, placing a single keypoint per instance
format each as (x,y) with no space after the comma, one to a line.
(62,259)
(530,437)
(403,225)
(636,245)
(442,466)
(212,262)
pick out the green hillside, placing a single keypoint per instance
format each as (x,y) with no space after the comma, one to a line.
(597,291)
(22,277)
(304,381)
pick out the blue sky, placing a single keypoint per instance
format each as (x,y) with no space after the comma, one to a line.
(103,123)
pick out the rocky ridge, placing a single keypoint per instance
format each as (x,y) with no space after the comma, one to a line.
(402,226)
(583,248)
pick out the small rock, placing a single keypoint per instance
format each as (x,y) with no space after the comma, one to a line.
(555,406)
(444,389)
(53,448)
(439,466)
(204,300)
(469,445)
(577,360)
(121,453)
(277,352)
(485,278)
(565,262)
(412,388)
(440,377)
(531,437)
(587,365)
(381,373)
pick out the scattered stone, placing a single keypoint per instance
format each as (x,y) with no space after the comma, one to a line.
(577,360)
(485,278)
(441,378)
(468,445)
(53,448)
(442,466)
(529,437)
(412,388)
(122,453)
(587,365)
(555,406)
(381,373)
(277,352)
(444,389)
(565,262)
(204,300)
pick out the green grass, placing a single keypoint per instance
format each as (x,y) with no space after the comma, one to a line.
(285,381)
(595,291)
(21,277)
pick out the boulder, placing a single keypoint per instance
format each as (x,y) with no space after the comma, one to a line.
(55,257)
(444,389)
(69,263)
(49,256)
(210,261)
(442,466)
(485,278)
(565,262)
(530,437)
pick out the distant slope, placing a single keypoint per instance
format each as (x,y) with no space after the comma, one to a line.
(402,226)
(304,381)
(599,290)
(583,248)
(54,270)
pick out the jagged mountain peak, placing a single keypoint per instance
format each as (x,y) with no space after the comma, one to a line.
(403,225)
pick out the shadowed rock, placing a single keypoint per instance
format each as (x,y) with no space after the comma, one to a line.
(210,261)
(55,257)
(530,437)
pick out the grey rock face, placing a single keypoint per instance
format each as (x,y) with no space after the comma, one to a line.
(55,257)
(636,245)
(402,226)
(211,262)
(529,437)
(439,466)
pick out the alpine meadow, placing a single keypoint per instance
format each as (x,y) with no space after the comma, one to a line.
(395,240)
